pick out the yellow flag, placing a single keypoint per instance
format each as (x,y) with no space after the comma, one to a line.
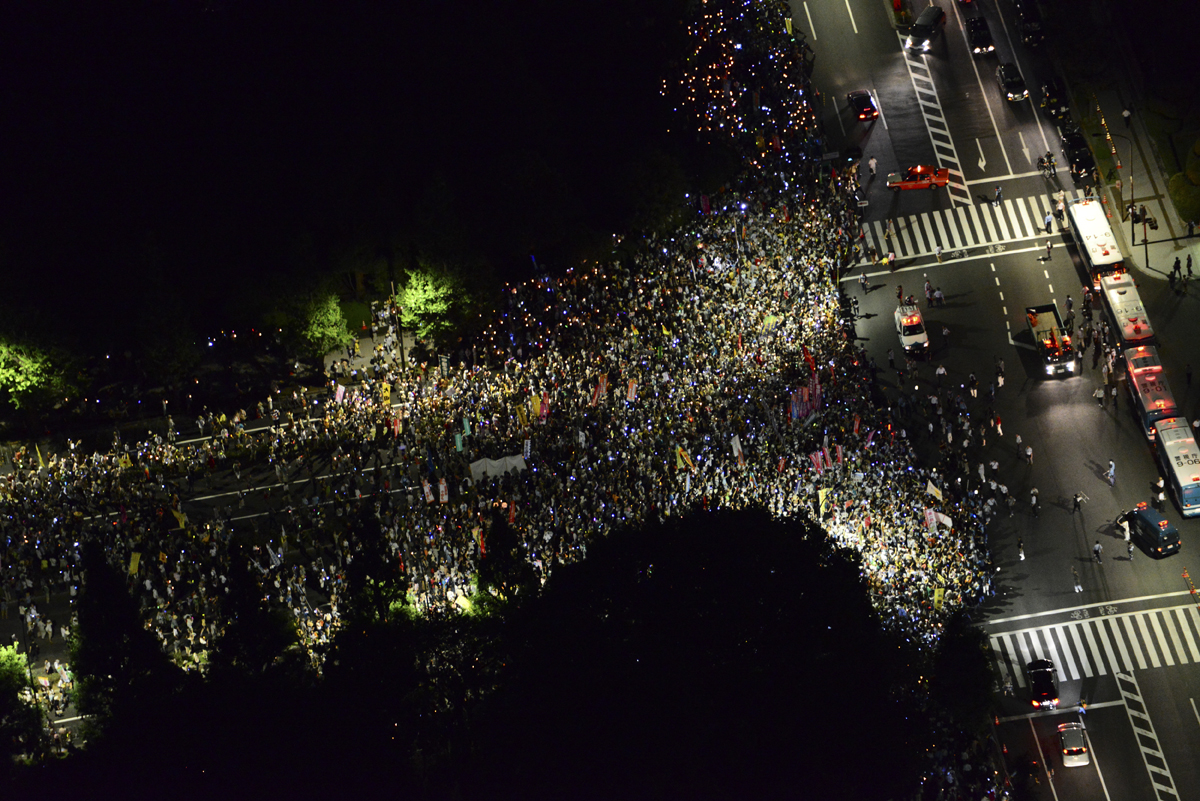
(386,392)
(537,405)
(134,561)
(41,461)
(822,501)
(938,595)
(521,416)
(787,23)
(180,517)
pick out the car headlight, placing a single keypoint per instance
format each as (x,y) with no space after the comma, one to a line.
(979,50)
(1049,369)
(1010,95)
(991,48)
(928,44)
(908,42)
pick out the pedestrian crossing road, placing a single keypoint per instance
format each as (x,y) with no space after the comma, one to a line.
(961,227)
(1102,645)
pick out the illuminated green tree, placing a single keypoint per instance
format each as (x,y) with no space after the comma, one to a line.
(427,300)
(323,326)
(30,375)
(19,720)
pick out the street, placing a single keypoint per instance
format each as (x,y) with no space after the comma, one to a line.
(1129,642)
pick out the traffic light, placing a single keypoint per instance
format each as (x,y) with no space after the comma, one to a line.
(1153,223)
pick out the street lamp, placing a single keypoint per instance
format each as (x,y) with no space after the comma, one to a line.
(1109,135)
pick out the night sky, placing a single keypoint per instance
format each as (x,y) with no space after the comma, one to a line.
(191,154)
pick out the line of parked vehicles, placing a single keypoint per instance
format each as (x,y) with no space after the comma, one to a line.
(926,29)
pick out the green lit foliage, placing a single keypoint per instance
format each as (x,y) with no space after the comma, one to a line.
(30,376)
(427,299)
(1184,187)
(19,720)
(323,326)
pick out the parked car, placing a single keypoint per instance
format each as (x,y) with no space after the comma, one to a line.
(979,36)
(862,104)
(928,25)
(1152,531)
(1012,85)
(1074,745)
(920,177)
(1078,155)
(1029,22)
(1043,683)
(1054,101)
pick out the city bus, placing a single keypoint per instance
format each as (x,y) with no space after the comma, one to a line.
(1094,238)
(1180,462)
(1125,309)
(1152,399)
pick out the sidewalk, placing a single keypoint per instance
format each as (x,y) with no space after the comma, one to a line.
(1149,186)
(1140,177)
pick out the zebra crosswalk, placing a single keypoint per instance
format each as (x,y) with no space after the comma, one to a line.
(1100,646)
(960,227)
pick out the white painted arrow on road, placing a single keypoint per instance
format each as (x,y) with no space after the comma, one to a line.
(1025,148)
(982,158)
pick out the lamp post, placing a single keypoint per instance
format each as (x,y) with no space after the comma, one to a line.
(1132,230)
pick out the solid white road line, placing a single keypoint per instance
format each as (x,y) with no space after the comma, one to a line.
(1096,763)
(1067,609)
(811,30)
(851,13)
(1042,757)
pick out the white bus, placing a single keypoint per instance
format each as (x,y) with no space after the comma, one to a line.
(1152,399)
(1125,309)
(1180,461)
(1093,236)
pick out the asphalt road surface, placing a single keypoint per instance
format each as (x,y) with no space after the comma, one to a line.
(1129,641)
(1138,609)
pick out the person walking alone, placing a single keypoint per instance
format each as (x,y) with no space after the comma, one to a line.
(998,198)
(1033,501)
(1021,549)
(1075,578)
(1077,503)
(1111,475)
(1097,550)
(871,164)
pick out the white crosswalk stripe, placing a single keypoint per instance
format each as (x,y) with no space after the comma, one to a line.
(1102,646)
(961,227)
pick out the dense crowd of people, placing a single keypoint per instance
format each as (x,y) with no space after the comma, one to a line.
(716,368)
